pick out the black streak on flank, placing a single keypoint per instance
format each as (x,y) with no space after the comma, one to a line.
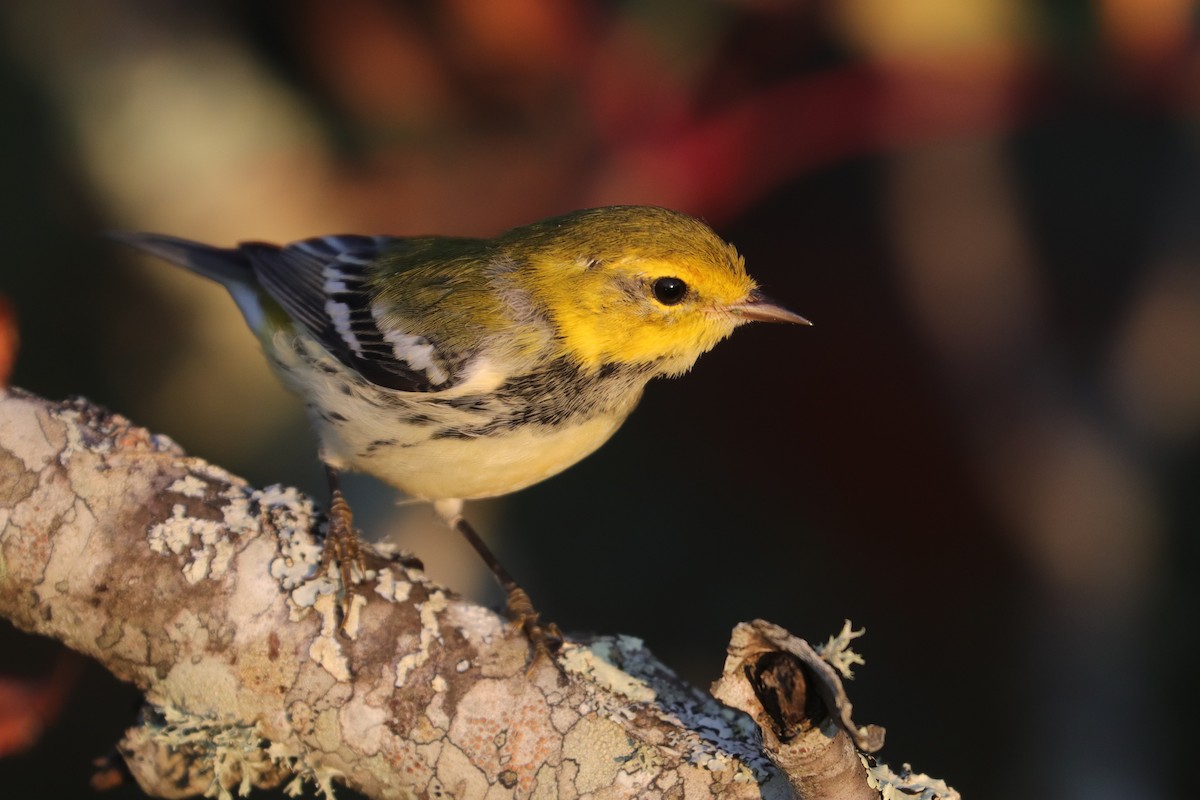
(557,395)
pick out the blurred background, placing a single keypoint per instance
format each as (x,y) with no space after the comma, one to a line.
(985,451)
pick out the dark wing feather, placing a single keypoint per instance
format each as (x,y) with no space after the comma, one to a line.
(322,283)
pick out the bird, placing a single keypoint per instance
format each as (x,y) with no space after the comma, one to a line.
(456,368)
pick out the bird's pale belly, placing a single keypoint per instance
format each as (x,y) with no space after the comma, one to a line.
(434,469)
(466,443)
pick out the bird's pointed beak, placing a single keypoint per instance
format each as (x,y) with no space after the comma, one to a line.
(760,308)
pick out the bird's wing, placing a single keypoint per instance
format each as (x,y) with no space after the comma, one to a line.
(324,284)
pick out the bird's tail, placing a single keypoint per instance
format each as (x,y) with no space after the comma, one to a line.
(223,265)
(229,267)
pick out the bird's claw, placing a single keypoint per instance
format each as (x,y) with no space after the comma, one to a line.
(343,546)
(546,640)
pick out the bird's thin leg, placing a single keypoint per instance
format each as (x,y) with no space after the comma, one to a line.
(341,542)
(546,639)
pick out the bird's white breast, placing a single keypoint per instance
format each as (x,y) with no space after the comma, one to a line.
(400,437)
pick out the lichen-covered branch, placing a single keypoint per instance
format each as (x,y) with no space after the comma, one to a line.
(202,591)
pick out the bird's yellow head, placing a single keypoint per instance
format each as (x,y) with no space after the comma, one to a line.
(637,285)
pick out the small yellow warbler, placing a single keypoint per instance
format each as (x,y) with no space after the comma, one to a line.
(456,368)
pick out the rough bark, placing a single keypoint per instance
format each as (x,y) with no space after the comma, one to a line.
(202,591)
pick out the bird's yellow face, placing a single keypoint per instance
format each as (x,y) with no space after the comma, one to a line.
(635,285)
(641,310)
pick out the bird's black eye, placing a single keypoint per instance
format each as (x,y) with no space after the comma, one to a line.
(669,291)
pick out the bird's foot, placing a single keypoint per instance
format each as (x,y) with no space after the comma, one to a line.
(547,639)
(343,546)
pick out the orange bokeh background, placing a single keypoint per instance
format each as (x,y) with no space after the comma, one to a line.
(985,451)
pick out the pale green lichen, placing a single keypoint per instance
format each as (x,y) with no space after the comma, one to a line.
(175,534)
(905,784)
(387,587)
(595,662)
(220,758)
(289,515)
(208,543)
(24,437)
(325,649)
(837,652)
(205,541)
(430,633)
(189,486)
(602,748)
(705,733)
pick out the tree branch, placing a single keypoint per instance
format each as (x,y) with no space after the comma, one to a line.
(200,590)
